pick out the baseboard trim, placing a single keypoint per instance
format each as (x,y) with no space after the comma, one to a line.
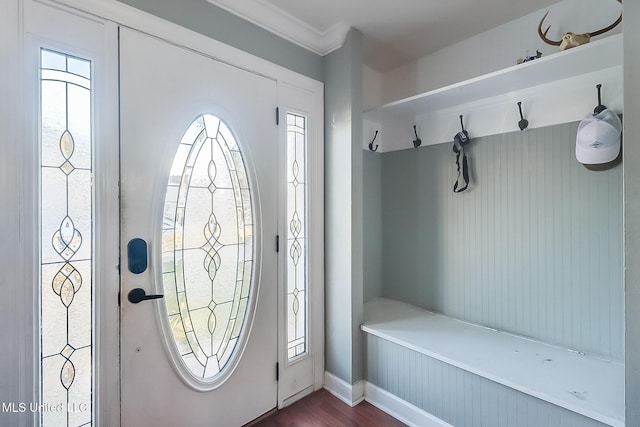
(400,409)
(351,394)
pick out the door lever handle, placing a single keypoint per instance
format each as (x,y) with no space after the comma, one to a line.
(137,295)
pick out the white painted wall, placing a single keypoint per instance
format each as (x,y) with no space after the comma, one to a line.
(371,88)
(498,48)
(566,97)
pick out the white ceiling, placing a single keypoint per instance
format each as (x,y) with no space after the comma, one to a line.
(395,31)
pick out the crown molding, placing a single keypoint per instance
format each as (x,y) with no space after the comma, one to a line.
(272,18)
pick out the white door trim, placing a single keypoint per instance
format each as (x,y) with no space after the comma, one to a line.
(17,165)
(34,30)
(300,101)
(107,256)
(131,17)
(16,306)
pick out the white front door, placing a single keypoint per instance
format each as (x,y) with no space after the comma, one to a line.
(199,218)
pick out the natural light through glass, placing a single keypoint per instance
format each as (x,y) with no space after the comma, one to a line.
(66,338)
(296,241)
(207,247)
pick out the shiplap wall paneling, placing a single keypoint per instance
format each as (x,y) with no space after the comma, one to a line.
(457,396)
(372,225)
(534,246)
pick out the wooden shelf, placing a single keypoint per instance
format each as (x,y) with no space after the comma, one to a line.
(592,57)
(586,385)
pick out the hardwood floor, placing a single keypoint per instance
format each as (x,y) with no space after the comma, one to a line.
(322,409)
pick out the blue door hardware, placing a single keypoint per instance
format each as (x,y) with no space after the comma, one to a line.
(137,256)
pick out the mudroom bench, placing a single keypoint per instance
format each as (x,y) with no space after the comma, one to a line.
(574,381)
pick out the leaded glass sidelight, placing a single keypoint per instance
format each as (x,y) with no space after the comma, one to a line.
(296,241)
(207,248)
(66,305)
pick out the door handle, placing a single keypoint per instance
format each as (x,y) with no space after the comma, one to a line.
(137,295)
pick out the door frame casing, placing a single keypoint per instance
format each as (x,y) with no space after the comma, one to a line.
(296,100)
(114,14)
(17,369)
(34,30)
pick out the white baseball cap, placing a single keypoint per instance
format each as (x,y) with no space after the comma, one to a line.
(598,138)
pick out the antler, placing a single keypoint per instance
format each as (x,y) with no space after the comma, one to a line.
(610,27)
(543,34)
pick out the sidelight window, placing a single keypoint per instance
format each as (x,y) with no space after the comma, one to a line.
(296,236)
(66,257)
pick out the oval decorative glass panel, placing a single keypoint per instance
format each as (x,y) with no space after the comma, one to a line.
(207,249)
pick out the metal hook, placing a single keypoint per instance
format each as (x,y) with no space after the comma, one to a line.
(523,123)
(599,108)
(462,137)
(417,141)
(371,143)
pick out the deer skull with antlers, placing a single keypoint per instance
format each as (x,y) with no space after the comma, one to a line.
(570,39)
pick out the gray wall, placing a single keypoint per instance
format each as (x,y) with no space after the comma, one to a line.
(632,209)
(212,21)
(343,210)
(534,246)
(459,397)
(372,225)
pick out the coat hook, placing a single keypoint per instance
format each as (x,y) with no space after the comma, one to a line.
(417,141)
(371,143)
(523,123)
(463,135)
(599,108)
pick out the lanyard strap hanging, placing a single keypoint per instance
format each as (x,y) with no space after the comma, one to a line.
(459,141)
(465,171)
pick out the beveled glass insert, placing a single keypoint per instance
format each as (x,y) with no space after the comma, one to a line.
(66,212)
(296,240)
(207,241)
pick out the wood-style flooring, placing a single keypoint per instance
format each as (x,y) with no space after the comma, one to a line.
(322,409)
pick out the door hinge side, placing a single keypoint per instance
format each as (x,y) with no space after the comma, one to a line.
(277,243)
(277,371)
(118,298)
(277,116)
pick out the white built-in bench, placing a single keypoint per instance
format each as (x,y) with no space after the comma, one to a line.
(586,385)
